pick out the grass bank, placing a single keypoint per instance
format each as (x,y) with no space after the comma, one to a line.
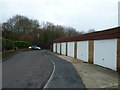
(11,52)
(7,53)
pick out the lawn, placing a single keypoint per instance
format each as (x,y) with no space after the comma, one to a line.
(7,53)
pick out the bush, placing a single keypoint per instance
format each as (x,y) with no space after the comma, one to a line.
(7,44)
(3,44)
(22,44)
(0,43)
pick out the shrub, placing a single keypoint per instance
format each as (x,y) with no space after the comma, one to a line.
(0,43)
(3,43)
(7,44)
(22,44)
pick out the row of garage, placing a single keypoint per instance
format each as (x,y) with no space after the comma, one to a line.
(103,52)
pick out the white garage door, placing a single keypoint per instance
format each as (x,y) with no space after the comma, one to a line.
(105,53)
(54,47)
(82,50)
(58,48)
(71,49)
(64,48)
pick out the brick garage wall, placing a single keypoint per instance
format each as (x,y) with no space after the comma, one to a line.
(75,50)
(118,54)
(56,47)
(53,47)
(66,48)
(91,51)
(60,48)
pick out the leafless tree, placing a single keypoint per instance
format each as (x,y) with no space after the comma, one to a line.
(91,30)
(22,28)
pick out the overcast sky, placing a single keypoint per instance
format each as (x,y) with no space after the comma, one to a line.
(80,14)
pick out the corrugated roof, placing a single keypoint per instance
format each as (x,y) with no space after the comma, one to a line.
(105,34)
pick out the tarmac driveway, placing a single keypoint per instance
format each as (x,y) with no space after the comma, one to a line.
(65,75)
(30,69)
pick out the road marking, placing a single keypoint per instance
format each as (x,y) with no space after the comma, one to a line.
(51,74)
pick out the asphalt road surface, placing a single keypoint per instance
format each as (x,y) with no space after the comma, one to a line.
(29,69)
(32,69)
(65,75)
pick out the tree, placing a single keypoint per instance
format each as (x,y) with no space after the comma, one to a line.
(91,30)
(0,30)
(22,28)
(19,25)
(26,37)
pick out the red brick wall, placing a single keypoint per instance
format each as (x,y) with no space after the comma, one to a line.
(75,50)
(118,54)
(91,51)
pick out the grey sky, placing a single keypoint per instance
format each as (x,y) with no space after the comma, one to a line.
(80,14)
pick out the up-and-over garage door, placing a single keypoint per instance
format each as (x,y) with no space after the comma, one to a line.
(82,50)
(58,48)
(63,50)
(71,49)
(54,47)
(105,53)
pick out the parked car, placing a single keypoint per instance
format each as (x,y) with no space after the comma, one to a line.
(35,47)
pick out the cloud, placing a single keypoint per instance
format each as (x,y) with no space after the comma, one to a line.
(80,14)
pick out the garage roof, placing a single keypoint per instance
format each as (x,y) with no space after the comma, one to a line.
(105,34)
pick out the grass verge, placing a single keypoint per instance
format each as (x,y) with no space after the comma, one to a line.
(11,52)
(7,53)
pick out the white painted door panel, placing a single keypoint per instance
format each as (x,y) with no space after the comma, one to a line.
(71,49)
(58,48)
(105,53)
(54,47)
(82,50)
(64,48)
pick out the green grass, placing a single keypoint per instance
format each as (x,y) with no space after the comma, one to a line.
(7,53)
(26,49)
(10,52)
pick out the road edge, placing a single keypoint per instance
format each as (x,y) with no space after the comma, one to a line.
(3,59)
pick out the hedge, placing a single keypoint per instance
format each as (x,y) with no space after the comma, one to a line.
(0,43)
(22,44)
(7,44)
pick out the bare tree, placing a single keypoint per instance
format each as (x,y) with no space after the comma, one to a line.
(91,30)
(0,30)
(22,28)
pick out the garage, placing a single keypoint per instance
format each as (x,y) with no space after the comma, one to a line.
(54,47)
(105,53)
(82,50)
(71,49)
(63,49)
(101,47)
(58,48)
